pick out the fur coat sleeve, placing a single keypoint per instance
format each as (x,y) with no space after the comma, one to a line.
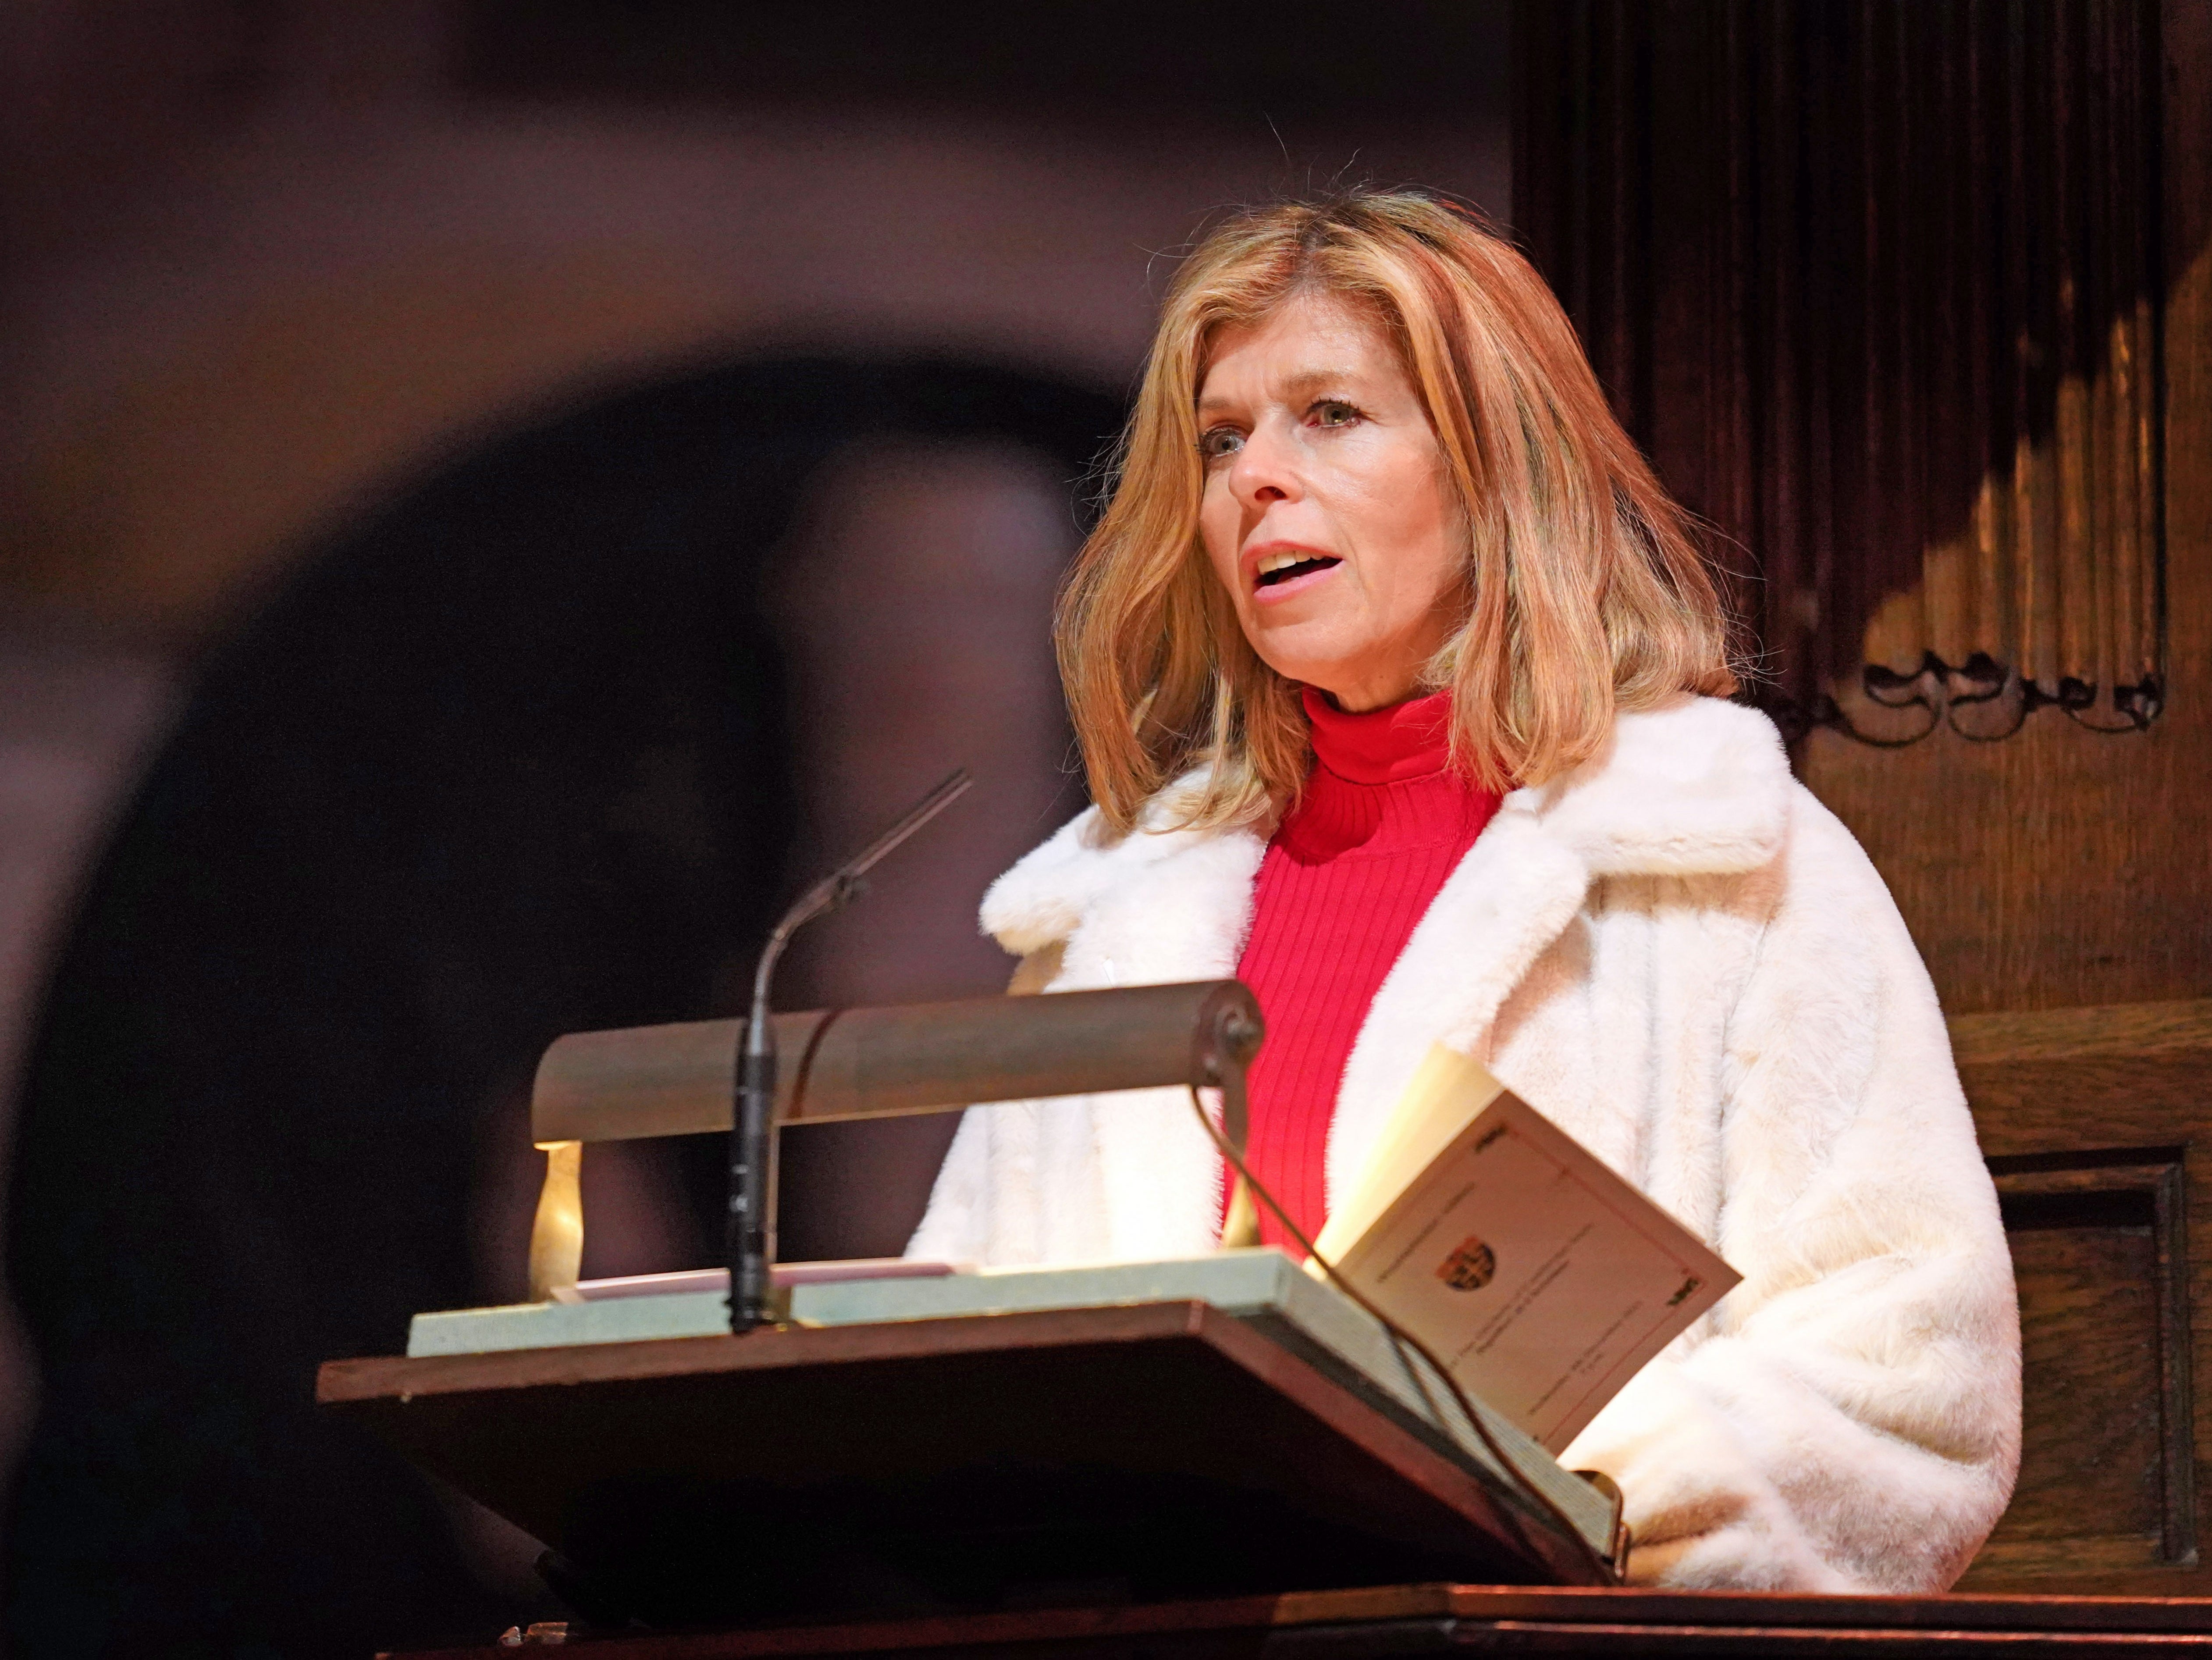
(1849,1418)
(1684,960)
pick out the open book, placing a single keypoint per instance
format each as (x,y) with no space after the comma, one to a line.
(1541,1278)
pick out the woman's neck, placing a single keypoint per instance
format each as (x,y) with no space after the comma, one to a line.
(1411,739)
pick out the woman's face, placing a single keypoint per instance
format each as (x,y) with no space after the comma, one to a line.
(1326,512)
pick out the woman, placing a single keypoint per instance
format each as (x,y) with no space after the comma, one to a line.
(1398,683)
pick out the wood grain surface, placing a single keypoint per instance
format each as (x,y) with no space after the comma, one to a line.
(2116,1030)
(2056,882)
(1165,1447)
(1428,1618)
(2061,867)
(1685,175)
(2098,1124)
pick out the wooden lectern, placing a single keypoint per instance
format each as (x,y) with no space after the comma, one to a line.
(1140,1450)
(1150,1479)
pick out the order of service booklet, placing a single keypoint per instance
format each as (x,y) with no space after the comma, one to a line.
(1541,1278)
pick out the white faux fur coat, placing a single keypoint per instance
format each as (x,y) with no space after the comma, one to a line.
(1685,961)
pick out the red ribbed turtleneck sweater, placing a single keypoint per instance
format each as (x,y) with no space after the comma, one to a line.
(1381,822)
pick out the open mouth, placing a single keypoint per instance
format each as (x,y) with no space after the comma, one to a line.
(1288,566)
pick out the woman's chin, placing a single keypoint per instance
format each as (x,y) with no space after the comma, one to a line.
(1346,676)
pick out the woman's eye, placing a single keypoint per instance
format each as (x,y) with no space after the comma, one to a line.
(1221,440)
(1333,414)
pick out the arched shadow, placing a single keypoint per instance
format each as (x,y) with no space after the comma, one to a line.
(1880,290)
(508,761)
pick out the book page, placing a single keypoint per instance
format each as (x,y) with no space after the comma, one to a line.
(1440,1100)
(1542,1279)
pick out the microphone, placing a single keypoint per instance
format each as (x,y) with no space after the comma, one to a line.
(750,1239)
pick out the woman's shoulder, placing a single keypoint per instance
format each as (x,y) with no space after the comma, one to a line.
(1707,787)
(1047,892)
(1698,786)
(1039,899)
(1704,787)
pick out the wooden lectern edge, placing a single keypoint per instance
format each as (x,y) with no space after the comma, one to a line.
(404,1378)
(397,1380)
(1942,1610)
(1432,1601)
(1632,1611)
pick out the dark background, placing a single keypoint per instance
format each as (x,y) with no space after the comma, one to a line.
(496,494)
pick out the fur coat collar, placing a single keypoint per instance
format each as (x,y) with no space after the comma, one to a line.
(1684,960)
(1699,789)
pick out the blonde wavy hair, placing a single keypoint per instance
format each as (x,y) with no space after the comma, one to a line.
(1586,592)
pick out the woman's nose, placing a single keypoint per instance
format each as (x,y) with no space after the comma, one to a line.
(1266,469)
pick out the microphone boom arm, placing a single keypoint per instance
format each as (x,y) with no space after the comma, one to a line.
(751,1224)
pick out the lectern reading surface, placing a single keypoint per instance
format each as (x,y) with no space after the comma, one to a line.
(1145,1450)
(1217,1427)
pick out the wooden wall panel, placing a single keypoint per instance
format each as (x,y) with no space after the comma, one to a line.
(1893,329)
(1841,268)
(2097,1125)
(2058,881)
(2061,867)
(2107,1466)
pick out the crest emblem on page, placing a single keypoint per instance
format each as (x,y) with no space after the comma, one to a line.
(1470,1267)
